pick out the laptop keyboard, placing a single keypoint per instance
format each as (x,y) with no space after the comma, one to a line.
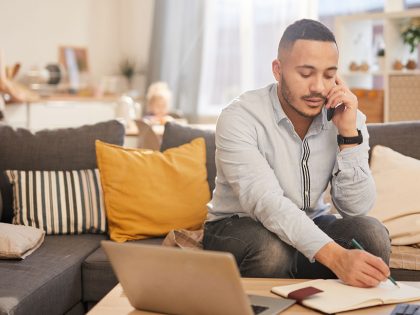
(406,309)
(258,308)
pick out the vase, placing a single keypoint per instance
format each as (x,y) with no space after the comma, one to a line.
(381,63)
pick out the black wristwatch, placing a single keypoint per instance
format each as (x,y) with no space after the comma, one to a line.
(350,140)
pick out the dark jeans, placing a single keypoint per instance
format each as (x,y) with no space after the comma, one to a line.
(261,253)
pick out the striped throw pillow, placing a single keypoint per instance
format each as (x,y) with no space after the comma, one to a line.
(59,202)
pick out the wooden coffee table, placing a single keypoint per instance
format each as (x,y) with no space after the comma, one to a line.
(115,302)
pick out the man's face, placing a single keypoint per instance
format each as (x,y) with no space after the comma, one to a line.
(306,73)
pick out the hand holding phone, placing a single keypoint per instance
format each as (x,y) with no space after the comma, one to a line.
(344,117)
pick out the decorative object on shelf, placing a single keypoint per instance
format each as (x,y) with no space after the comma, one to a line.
(127,110)
(364,67)
(55,73)
(128,70)
(353,66)
(36,75)
(10,90)
(75,62)
(397,65)
(411,64)
(411,33)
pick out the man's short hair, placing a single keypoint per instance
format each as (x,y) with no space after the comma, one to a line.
(305,29)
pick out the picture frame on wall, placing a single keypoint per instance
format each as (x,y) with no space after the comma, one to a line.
(75,62)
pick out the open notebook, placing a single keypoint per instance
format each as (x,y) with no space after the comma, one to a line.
(338,297)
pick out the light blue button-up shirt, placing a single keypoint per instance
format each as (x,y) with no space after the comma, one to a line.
(265,171)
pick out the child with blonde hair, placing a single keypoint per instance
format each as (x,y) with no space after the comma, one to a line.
(158,100)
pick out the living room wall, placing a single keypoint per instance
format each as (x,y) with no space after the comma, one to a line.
(32,31)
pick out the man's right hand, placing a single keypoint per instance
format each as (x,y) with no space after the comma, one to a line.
(354,267)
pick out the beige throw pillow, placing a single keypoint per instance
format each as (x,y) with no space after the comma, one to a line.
(19,241)
(397,179)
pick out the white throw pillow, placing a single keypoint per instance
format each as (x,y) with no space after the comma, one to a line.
(19,241)
(397,179)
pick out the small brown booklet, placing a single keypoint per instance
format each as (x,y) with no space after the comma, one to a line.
(339,297)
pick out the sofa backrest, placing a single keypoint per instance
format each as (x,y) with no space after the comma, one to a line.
(58,149)
(403,137)
(176,135)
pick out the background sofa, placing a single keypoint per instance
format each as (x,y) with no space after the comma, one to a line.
(70,273)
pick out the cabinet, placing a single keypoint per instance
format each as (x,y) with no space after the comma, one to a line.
(69,114)
(359,37)
(60,112)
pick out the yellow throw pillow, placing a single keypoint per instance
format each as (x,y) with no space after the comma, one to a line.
(148,193)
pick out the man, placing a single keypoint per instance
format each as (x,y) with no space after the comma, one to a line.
(276,152)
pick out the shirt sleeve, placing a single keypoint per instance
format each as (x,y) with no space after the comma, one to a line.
(256,186)
(352,186)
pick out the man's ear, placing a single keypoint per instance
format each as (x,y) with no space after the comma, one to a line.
(276,67)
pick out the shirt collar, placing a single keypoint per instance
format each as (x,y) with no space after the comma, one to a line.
(278,110)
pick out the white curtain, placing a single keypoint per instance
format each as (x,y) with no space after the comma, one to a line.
(240,42)
(176,51)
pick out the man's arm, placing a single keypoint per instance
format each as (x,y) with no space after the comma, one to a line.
(353,192)
(352,186)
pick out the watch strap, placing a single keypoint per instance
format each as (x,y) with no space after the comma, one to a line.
(350,140)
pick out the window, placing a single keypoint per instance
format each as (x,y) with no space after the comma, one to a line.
(240,42)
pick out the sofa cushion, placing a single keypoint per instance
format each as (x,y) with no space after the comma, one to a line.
(50,280)
(148,193)
(18,241)
(405,257)
(98,276)
(176,134)
(59,202)
(59,149)
(397,175)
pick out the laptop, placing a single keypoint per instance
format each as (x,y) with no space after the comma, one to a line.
(181,281)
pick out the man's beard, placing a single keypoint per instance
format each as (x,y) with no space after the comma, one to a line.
(288,98)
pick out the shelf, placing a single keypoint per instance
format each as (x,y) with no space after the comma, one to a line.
(362,73)
(380,73)
(359,37)
(404,72)
(380,15)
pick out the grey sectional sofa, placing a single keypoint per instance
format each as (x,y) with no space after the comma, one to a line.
(50,281)
(70,273)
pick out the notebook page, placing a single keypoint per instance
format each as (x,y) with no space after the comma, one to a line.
(339,297)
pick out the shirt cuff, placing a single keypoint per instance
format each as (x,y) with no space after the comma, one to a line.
(351,157)
(314,242)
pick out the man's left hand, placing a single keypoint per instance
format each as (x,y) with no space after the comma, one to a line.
(345,114)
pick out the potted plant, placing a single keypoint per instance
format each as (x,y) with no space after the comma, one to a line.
(411,34)
(128,70)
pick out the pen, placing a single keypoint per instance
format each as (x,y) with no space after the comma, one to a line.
(358,246)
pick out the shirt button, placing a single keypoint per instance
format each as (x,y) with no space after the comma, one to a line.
(306,193)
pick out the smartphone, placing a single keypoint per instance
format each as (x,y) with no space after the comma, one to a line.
(331,110)
(330,113)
